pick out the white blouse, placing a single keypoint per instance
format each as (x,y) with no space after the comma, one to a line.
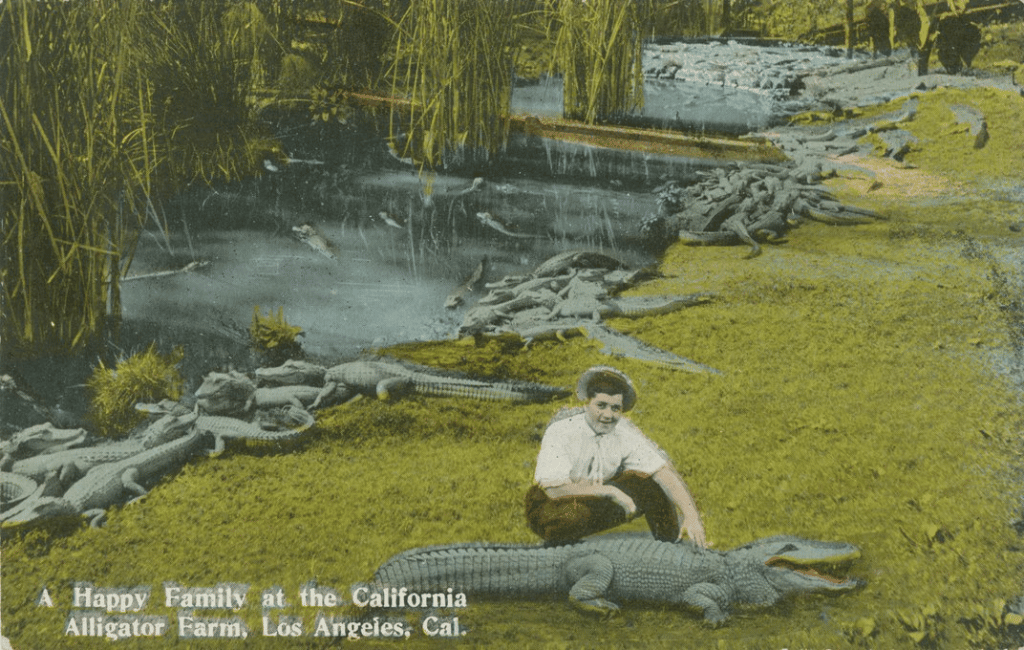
(573,452)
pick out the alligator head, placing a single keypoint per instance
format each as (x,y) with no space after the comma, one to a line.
(293,372)
(223,392)
(794,564)
(43,438)
(167,428)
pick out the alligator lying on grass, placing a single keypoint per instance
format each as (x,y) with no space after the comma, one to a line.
(557,298)
(627,567)
(71,463)
(106,484)
(385,378)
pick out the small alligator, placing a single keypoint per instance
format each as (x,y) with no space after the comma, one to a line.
(308,235)
(223,393)
(383,378)
(457,297)
(72,463)
(576,259)
(627,567)
(617,344)
(488,220)
(106,484)
(224,428)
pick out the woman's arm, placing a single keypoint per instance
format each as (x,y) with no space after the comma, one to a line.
(675,488)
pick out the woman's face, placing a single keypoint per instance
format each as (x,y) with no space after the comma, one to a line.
(603,412)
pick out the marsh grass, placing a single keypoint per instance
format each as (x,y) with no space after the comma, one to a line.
(598,51)
(108,106)
(73,124)
(454,60)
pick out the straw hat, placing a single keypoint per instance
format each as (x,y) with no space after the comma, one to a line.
(607,373)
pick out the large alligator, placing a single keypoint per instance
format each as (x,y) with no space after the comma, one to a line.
(384,378)
(626,567)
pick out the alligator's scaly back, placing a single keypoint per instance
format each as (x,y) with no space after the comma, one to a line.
(623,567)
(501,570)
(385,378)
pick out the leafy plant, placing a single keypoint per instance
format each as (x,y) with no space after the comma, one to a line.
(273,335)
(143,377)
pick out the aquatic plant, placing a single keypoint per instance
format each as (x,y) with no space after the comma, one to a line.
(272,335)
(143,377)
(597,49)
(453,59)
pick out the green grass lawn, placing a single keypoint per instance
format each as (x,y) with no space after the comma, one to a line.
(857,402)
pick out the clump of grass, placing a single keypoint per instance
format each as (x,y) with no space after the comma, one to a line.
(274,337)
(143,377)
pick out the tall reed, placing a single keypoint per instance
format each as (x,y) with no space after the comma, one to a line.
(454,59)
(106,106)
(598,50)
(73,125)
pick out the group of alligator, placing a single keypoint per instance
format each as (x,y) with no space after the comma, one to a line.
(750,203)
(50,472)
(569,295)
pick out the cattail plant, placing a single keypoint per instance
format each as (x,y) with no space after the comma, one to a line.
(74,139)
(105,106)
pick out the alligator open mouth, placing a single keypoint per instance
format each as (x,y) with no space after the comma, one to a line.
(830,570)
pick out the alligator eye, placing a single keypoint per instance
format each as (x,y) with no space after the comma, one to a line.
(787,547)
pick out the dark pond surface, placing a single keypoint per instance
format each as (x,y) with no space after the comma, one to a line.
(390,277)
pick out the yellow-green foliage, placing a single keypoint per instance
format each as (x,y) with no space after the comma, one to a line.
(107,106)
(272,332)
(858,402)
(454,59)
(598,51)
(143,377)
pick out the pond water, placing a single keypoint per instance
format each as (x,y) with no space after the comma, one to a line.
(390,276)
